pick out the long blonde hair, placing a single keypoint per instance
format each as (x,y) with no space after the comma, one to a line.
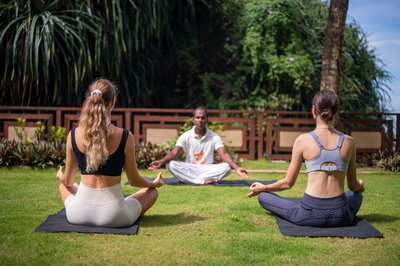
(95,119)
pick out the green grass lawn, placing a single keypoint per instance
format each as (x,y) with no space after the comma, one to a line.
(191,225)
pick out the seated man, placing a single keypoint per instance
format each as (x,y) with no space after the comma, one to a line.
(199,143)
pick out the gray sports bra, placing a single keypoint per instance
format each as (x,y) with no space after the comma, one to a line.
(327,156)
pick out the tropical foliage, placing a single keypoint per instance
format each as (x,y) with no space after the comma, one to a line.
(36,152)
(46,51)
(148,152)
(390,162)
(276,56)
(53,48)
(364,79)
(224,54)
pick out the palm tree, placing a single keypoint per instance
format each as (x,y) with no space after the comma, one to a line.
(330,74)
(53,49)
(46,49)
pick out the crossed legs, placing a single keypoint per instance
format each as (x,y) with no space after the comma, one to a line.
(198,174)
(146,196)
(314,211)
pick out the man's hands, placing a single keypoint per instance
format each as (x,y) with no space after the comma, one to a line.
(154,165)
(242,172)
(158,182)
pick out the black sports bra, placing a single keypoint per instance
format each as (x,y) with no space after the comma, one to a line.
(114,164)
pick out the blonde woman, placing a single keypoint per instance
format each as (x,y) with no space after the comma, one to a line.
(330,158)
(101,150)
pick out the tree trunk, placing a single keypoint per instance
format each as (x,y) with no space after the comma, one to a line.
(330,74)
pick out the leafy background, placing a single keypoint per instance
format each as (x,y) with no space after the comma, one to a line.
(224,54)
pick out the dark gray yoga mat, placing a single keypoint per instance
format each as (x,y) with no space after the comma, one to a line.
(58,223)
(227,183)
(361,229)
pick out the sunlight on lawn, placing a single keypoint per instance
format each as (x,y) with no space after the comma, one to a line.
(190,223)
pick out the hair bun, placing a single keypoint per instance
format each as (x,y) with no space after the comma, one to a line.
(326,103)
(326,115)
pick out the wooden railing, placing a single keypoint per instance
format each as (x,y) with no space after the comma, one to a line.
(253,134)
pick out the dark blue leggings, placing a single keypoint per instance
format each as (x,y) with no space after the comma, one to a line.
(312,211)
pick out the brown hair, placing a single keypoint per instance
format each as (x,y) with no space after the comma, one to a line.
(95,119)
(326,103)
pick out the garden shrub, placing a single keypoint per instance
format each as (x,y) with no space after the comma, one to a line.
(36,152)
(7,147)
(39,153)
(148,152)
(390,162)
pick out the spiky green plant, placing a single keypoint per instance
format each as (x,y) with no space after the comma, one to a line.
(47,49)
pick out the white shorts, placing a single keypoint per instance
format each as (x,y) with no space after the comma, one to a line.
(105,207)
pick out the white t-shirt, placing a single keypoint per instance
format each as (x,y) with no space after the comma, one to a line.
(200,150)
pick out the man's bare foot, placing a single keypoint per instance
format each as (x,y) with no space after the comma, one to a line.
(211,182)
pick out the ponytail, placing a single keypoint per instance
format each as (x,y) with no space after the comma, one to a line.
(95,120)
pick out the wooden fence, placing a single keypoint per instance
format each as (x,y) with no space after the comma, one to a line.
(253,134)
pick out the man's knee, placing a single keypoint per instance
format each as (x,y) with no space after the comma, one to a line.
(226,168)
(171,165)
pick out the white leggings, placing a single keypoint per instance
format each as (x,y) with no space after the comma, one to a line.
(104,207)
(197,174)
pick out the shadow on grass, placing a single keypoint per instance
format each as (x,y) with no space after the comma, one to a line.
(157,220)
(377,217)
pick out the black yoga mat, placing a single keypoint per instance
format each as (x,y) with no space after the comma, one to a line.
(361,229)
(58,223)
(227,183)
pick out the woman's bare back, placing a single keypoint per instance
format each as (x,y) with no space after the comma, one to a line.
(101,181)
(325,184)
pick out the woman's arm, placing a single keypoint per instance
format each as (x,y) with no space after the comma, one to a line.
(352,182)
(71,164)
(134,178)
(291,175)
